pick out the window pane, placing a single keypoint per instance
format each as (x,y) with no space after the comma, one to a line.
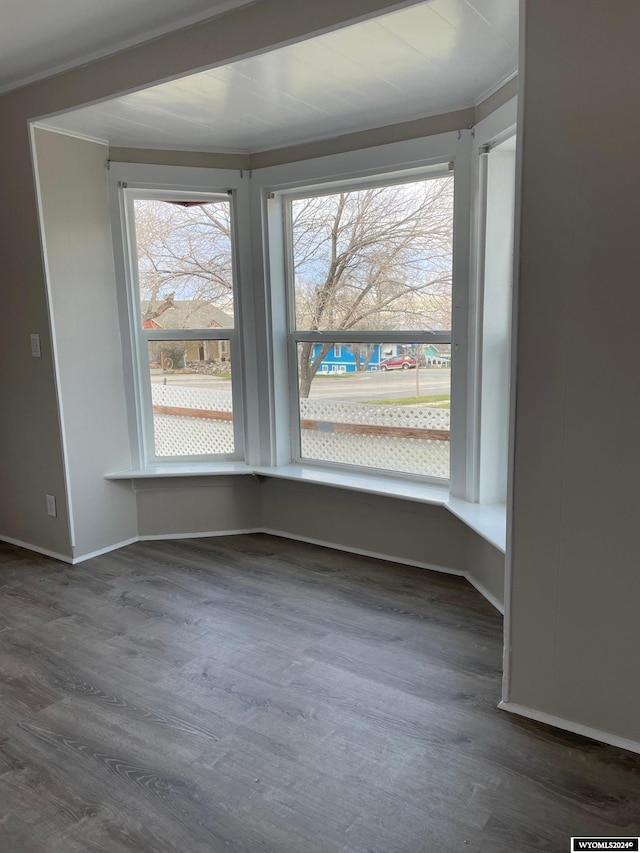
(191,398)
(184,264)
(383,406)
(377,258)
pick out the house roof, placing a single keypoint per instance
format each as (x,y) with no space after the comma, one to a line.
(187,314)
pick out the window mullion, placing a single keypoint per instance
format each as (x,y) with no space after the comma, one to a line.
(188,334)
(146,400)
(373,337)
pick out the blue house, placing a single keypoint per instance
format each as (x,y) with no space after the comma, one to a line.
(351,358)
(436,356)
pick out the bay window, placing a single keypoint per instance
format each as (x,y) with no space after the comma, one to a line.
(313,320)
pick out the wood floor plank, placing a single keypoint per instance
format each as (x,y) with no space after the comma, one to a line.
(258,695)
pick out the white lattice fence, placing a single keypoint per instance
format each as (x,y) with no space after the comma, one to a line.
(191,398)
(180,435)
(428,457)
(177,435)
(418,417)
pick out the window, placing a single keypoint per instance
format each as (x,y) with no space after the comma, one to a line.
(346,358)
(497,196)
(370,284)
(182,307)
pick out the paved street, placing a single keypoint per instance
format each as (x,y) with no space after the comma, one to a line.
(378,385)
(375,385)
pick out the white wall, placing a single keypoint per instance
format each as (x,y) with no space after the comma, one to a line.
(485,568)
(401,530)
(575,583)
(31,462)
(197,506)
(80,271)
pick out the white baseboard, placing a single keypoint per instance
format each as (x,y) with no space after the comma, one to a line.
(65,558)
(499,606)
(101,551)
(160,536)
(432,567)
(570,726)
(364,553)
(153,537)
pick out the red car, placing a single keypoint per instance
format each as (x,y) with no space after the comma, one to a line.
(399,362)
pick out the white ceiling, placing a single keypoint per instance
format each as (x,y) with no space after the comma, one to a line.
(423,60)
(40,37)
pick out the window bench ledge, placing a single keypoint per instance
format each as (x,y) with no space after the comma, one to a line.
(489,521)
(427,493)
(182,469)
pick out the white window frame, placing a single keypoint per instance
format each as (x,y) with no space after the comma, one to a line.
(489,391)
(497,176)
(127,183)
(443,168)
(396,162)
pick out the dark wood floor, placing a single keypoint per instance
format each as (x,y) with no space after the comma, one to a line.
(256,694)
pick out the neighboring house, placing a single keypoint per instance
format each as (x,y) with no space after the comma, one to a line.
(346,358)
(436,356)
(185,314)
(341,358)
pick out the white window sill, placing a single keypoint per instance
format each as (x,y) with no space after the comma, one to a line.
(489,521)
(182,469)
(370,483)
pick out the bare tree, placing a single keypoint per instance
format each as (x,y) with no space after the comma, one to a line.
(369,259)
(155,309)
(184,254)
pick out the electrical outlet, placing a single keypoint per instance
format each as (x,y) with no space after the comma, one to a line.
(36,352)
(51,506)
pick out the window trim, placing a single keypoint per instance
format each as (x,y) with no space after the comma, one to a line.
(493,376)
(391,161)
(493,130)
(443,167)
(134,181)
(142,337)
